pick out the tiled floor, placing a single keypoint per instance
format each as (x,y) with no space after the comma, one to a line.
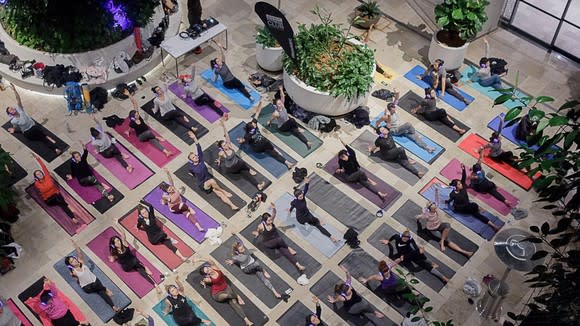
(396,46)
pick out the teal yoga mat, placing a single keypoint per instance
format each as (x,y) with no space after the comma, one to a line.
(168,319)
(233,94)
(467,75)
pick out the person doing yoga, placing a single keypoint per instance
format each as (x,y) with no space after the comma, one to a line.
(105,145)
(177,305)
(273,240)
(303,214)
(315,319)
(55,309)
(147,221)
(193,90)
(7,317)
(243,257)
(284,122)
(353,303)
(48,189)
(484,75)
(387,150)
(480,183)
(349,166)
(436,76)
(428,109)
(389,282)
(167,111)
(22,122)
(83,173)
(205,180)
(496,153)
(172,198)
(221,69)
(220,290)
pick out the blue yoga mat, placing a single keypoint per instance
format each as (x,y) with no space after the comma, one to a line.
(93,300)
(451,100)
(484,230)
(168,319)
(509,133)
(277,169)
(489,91)
(233,94)
(412,147)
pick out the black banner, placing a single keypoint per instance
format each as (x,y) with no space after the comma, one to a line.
(278,26)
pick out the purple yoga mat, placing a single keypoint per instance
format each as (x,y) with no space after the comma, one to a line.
(392,194)
(205,111)
(88,194)
(140,171)
(206,222)
(453,171)
(139,285)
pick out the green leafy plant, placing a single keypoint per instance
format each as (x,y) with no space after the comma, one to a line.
(265,38)
(7,193)
(462,18)
(369,9)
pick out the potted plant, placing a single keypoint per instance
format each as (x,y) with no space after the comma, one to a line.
(332,74)
(268,52)
(368,13)
(460,21)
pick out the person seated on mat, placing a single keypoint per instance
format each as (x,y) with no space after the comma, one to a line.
(177,305)
(206,181)
(191,89)
(22,122)
(259,143)
(484,75)
(315,318)
(85,277)
(428,109)
(55,309)
(220,290)
(104,145)
(436,76)
(390,283)
(273,240)
(167,111)
(526,127)
(349,166)
(48,190)
(284,122)
(141,129)
(221,69)
(243,257)
(353,302)
(407,248)
(7,317)
(387,150)
(147,221)
(303,214)
(397,128)
(172,198)
(496,153)
(480,183)
(232,163)
(80,170)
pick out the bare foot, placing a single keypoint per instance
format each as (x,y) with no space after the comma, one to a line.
(420,174)
(266,274)
(442,245)
(333,239)
(411,161)
(116,309)
(379,315)
(111,198)
(228,194)
(290,165)
(234,208)
(125,156)
(75,220)
(300,267)
(461,131)
(187,120)
(430,149)
(241,301)
(309,145)
(57,151)
(160,138)
(469,254)
(253,172)
(261,185)
(382,195)
(507,203)
(372,182)
(292,251)
(167,153)
(129,169)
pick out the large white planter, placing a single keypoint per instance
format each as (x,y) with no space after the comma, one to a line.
(269,59)
(452,56)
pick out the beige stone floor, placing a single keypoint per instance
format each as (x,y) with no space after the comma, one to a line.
(396,46)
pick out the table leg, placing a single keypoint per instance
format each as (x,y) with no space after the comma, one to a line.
(226,39)
(176,69)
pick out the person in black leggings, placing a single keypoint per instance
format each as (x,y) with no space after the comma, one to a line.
(315,319)
(428,108)
(177,304)
(436,76)
(480,183)
(387,150)
(221,69)
(284,122)
(496,153)
(81,170)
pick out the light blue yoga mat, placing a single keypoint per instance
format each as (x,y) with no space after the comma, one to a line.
(489,91)
(93,300)
(168,319)
(233,94)
(277,169)
(451,100)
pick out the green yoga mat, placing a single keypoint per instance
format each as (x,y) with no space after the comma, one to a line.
(168,319)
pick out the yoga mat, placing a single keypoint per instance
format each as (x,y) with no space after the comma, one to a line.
(18,313)
(132,180)
(412,147)
(392,193)
(380,78)
(226,312)
(204,110)
(251,281)
(296,315)
(485,231)
(467,74)
(287,137)
(184,175)
(275,168)
(406,215)
(168,257)
(453,171)
(59,216)
(451,100)
(100,246)
(473,142)
(509,133)
(308,233)
(177,129)
(233,94)
(90,194)
(325,287)
(366,139)
(206,222)
(37,146)
(168,319)
(239,180)
(18,173)
(155,155)
(312,265)
(93,300)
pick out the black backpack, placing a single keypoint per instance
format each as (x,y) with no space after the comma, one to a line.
(113,120)
(360,117)
(299,174)
(124,316)
(330,126)
(498,66)
(351,238)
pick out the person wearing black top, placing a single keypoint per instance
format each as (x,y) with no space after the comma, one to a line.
(80,170)
(178,306)
(315,319)
(387,150)
(428,108)
(142,130)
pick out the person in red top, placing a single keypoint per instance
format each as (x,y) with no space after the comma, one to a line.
(220,291)
(48,189)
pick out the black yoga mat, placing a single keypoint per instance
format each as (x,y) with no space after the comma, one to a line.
(17,173)
(296,315)
(39,147)
(30,292)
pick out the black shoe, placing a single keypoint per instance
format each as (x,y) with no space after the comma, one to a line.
(285,297)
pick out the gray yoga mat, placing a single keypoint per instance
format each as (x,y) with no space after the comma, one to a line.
(224,309)
(384,231)
(406,215)
(184,175)
(367,138)
(251,281)
(296,315)
(312,265)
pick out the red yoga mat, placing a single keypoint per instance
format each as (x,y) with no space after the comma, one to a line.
(34,304)
(18,313)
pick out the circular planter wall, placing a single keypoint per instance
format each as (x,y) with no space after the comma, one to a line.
(453,56)
(269,59)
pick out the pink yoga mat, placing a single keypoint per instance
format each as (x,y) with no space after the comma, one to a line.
(140,171)
(59,215)
(205,111)
(18,313)
(155,155)
(88,194)
(453,171)
(139,285)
